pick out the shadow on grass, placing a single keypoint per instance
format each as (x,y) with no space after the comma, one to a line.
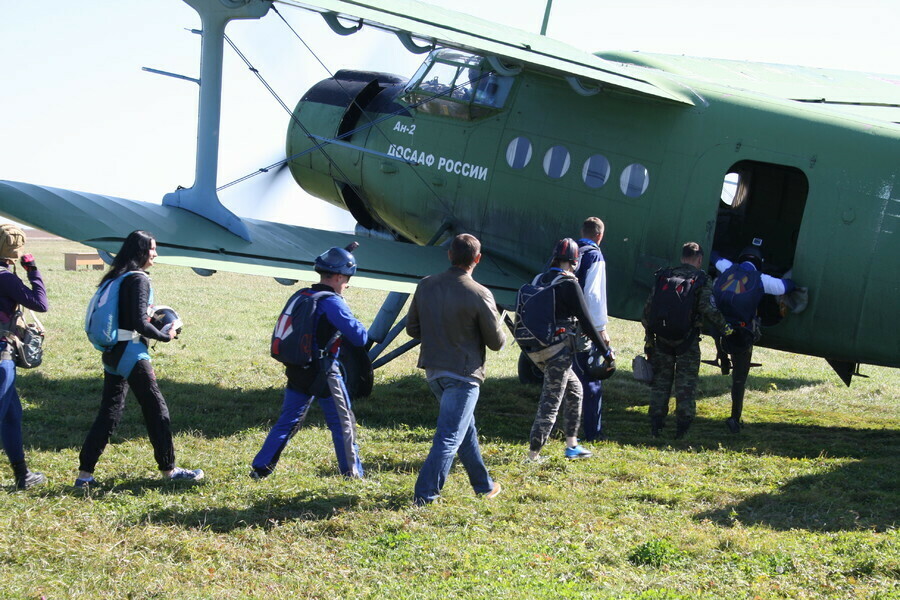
(860,495)
(270,513)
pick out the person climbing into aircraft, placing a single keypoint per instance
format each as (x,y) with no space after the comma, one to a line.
(673,315)
(554,298)
(126,363)
(320,315)
(13,295)
(455,318)
(591,274)
(737,292)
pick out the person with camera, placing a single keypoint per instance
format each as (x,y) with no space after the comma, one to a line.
(126,364)
(15,294)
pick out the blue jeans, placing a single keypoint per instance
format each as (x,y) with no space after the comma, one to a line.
(10,413)
(455,435)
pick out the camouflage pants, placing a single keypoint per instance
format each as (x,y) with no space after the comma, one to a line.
(561,385)
(679,371)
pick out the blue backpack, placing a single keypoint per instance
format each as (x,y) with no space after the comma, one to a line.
(294,336)
(737,294)
(536,325)
(101,323)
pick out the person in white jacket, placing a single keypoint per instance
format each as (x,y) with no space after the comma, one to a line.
(591,274)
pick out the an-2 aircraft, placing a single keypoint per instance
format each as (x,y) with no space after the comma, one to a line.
(516,137)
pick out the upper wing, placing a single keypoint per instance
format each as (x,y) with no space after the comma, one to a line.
(450,29)
(277,250)
(869,95)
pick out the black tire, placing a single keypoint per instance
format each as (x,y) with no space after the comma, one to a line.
(528,372)
(357,371)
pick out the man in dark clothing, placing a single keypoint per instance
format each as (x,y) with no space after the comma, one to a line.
(561,385)
(737,292)
(335,267)
(13,294)
(455,317)
(676,362)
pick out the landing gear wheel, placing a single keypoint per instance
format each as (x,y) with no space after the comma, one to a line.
(528,372)
(357,371)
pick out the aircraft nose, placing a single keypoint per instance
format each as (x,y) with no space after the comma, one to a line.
(334,109)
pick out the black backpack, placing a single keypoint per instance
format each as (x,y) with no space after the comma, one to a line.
(674,300)
(536,325)
(294,336)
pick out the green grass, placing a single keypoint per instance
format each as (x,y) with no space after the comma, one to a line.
(803,504)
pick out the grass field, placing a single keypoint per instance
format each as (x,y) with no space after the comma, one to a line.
(804,503)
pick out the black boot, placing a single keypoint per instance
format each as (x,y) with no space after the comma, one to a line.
(656,425)
(25,478)
(681,428)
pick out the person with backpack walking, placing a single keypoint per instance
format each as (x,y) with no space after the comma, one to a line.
(672,320)
(455,318)
(548,311)
(307,339)
(124,299)
(591,274)
(737,292)
(13,295)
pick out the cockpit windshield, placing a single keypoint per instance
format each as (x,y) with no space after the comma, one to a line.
(456,84)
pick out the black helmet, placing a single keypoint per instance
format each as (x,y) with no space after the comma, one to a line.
(336,260)
(163,315)
(751,254)
(565,250)
(600,367)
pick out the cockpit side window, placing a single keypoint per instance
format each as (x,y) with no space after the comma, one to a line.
(458,85)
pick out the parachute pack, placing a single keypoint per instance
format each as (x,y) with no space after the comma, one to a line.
(101,323)
(536,325)
(672,308)
(737,294)
(294,335)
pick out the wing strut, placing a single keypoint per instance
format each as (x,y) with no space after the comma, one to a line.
(201,198)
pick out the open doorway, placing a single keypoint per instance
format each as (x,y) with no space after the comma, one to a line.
(761,204)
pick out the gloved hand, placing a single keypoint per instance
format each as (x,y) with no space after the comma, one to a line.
(27,261)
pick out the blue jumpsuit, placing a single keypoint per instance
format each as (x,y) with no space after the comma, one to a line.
(336,406)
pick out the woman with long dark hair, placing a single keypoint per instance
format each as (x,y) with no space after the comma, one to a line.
(127,364)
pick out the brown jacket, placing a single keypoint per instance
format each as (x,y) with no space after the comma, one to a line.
(455,317)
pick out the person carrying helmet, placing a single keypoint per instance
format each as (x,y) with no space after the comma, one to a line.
(673,316)
(455,317)
(126,365)
(561,385)
(591,274)
(737,293)
(332,324)
(13,294)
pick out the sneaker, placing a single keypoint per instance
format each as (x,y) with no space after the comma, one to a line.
(734,426)
(656,426)
(495,491)
(535,461)
(578,451)
(681,429)
(85,483)
(179,474)
(257,476)
(30,480)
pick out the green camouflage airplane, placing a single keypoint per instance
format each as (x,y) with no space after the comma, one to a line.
(516,138)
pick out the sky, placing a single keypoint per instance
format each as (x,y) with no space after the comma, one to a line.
(77,111)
